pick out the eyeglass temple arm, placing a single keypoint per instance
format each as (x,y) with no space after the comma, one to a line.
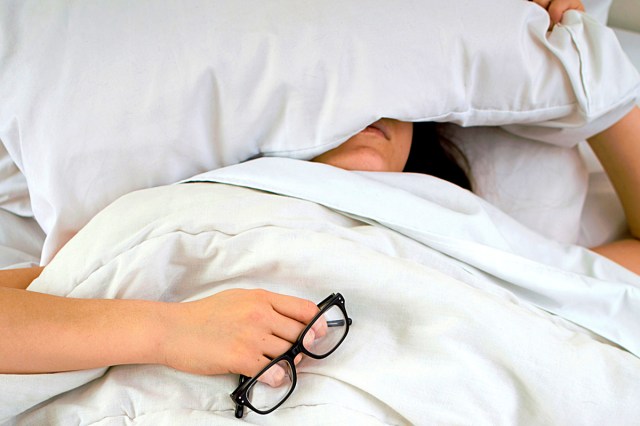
(239,407)
(338,323)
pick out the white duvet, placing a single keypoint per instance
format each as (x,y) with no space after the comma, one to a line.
(460,316)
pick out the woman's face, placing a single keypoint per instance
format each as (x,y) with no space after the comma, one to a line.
(382,147)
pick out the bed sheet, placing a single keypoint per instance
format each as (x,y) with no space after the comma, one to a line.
(444,291)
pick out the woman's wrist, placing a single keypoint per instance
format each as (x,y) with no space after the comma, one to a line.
(143,335)
(163,319)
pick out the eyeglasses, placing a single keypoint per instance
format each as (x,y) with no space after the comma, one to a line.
(267,390)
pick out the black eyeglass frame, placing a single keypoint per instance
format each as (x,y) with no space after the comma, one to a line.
(239,396)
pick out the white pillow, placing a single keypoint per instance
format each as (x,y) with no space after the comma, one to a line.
(21,241)
(542,186)
(102,98)
(14,193)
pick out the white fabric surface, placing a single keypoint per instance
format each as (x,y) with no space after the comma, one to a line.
(598,57)
(435,340)
(21,241)
(14,193)
(21,238)
(99,99)
(542,186)
(478,234)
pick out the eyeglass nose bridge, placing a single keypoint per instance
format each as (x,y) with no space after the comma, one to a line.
(296,350)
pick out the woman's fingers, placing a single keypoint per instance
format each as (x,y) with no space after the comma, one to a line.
(557,8)
(274,346)
(301,310)
(309,339)
(286,328)
(320,327)
(277,375)
(543,3)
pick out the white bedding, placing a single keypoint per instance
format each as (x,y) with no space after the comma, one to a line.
(444,291)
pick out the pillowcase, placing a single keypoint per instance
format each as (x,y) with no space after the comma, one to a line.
(14,193)
(103,98)
(21,241)
(542,186)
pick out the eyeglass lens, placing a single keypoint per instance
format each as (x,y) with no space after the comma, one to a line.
(272,386)
(326,332)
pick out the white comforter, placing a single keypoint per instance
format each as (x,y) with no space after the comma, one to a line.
(460,316)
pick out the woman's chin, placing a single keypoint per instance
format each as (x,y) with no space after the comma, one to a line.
(363,160)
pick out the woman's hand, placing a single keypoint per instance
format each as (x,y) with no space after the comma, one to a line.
(235,331)
(557,8)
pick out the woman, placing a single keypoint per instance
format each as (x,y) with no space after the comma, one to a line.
(238,331)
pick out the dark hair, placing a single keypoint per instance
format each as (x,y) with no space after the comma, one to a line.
(433,154)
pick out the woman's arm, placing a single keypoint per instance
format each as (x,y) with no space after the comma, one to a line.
(19,278)
(235,331)
(44,333)
(618,149)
